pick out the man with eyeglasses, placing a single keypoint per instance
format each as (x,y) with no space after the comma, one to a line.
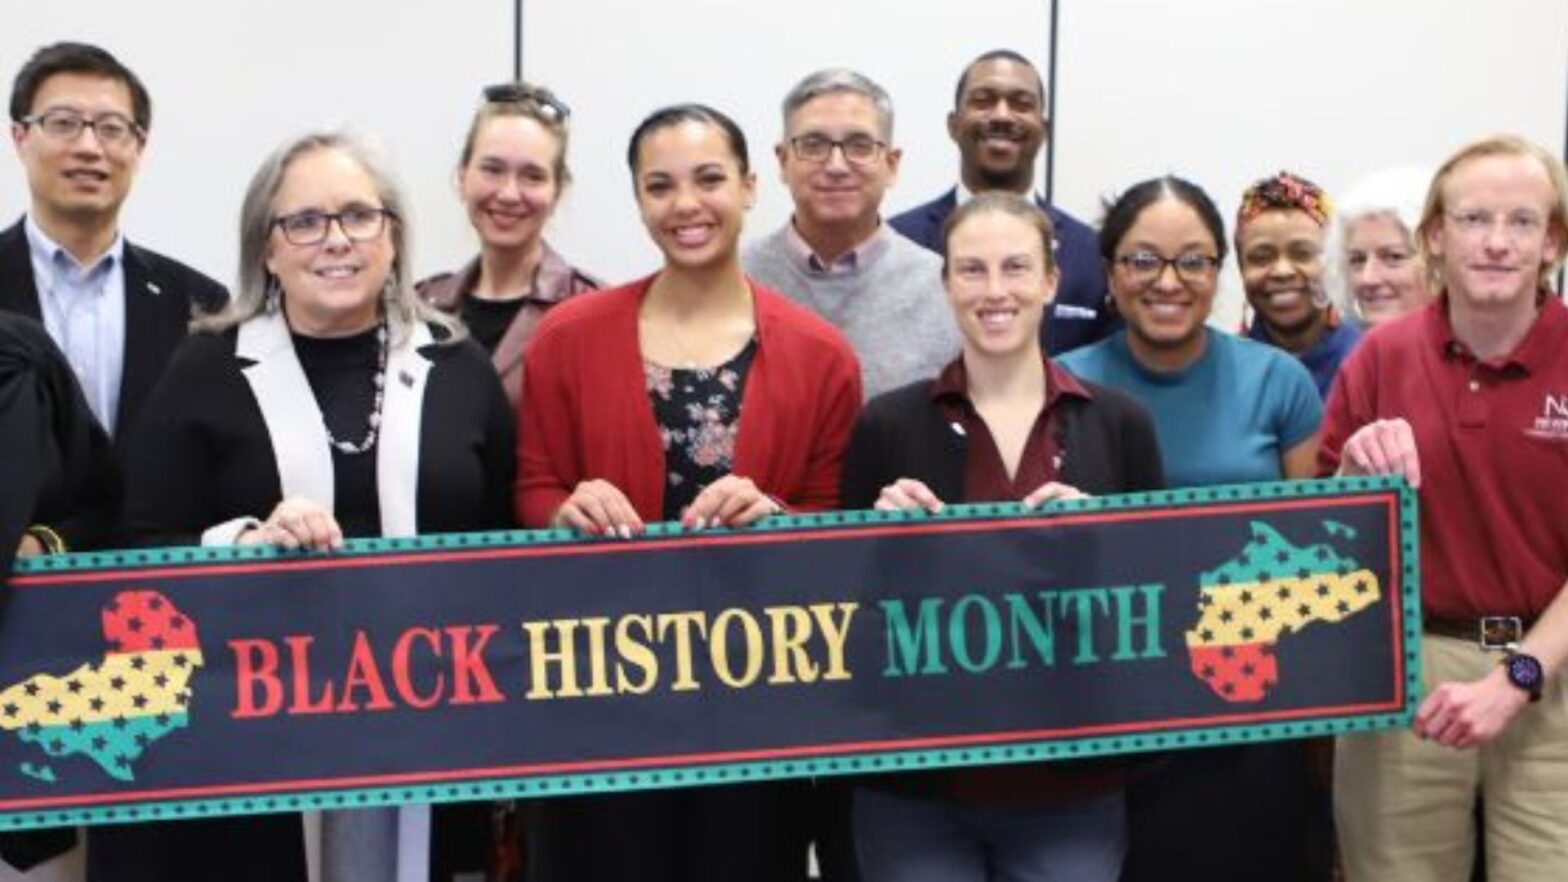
(998,123)
(835,255)
(79,119)
(1467,398)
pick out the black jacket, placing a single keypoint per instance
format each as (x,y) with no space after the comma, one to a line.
(1107,443)
(160,296)
(54,462)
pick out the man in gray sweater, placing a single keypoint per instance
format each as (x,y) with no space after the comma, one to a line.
(835,255)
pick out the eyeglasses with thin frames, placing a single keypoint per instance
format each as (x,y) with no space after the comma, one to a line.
(311,227)
(858,149)
(1518,226)
(549,106)
(1145,267)
(111,129)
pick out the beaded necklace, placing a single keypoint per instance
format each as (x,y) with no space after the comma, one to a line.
(374,420)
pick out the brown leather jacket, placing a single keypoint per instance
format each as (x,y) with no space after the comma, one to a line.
(555,281)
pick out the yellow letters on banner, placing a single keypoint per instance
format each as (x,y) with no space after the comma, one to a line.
(785,645)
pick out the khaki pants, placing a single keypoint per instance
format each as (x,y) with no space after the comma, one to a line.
(1403,806)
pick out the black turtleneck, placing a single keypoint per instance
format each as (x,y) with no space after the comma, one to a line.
(341,371)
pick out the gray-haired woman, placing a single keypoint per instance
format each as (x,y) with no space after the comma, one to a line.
(1373,260)
(327,402)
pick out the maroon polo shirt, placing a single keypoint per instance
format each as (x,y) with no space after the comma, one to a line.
(986,480)
(985,475)
(1493,441)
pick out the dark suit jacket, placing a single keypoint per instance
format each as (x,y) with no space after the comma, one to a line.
(159,296)
(1080,315)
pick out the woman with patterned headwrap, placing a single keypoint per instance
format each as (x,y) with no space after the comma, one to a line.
(1280,230)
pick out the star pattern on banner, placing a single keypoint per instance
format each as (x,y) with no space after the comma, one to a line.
(113,710)
(1263,594)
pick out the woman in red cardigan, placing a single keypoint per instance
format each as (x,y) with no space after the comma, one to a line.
(693,369)
(692,395)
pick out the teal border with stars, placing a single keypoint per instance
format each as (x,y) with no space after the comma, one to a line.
(727,773)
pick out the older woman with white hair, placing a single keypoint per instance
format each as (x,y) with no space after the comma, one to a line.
(327,402)
(1375,269)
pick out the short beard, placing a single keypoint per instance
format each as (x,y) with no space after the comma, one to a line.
(1013,181)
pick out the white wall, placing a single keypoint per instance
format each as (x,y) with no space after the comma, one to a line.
(1228,91)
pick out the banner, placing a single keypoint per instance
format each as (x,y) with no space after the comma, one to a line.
(187,682)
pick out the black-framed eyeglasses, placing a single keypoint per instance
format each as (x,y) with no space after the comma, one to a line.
(311,227)
(858,149)
(550,106)
(1144,267)
(112,129)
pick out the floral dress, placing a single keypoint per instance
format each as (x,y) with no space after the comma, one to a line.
(698,412)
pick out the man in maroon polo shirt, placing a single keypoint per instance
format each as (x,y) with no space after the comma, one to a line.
(1468,399)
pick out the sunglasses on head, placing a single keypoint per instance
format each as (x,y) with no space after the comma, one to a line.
(522,93)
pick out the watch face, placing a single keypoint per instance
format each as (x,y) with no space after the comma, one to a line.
(1525,672)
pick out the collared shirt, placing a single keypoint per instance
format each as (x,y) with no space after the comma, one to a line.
(985,474)
(1492,436)
(83,309)
(845,264)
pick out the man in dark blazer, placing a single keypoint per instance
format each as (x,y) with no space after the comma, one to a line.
(998,122)
(79,121)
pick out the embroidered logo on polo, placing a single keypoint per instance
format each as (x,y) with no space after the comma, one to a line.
(1267,592)
(1552,424)
(111,711)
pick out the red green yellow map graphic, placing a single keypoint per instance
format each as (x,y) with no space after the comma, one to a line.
(1267,592)
(114,710)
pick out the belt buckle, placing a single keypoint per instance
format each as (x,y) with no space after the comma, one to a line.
(1501,632)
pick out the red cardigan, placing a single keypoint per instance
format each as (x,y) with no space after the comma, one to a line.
(587,413)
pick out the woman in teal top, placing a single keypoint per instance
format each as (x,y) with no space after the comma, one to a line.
(1226,410)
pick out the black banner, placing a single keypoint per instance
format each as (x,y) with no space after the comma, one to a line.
(188,682)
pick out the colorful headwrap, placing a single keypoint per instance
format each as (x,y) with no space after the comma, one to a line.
(1284,191)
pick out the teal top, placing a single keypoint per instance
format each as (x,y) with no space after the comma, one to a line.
(1226,418)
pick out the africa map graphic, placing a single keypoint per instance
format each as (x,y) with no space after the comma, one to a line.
(1267,592)
(112,711)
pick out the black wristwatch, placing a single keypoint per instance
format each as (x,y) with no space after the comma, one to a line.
(1524,671)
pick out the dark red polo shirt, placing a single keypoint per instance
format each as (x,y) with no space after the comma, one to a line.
(1493,441)
(985,475)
